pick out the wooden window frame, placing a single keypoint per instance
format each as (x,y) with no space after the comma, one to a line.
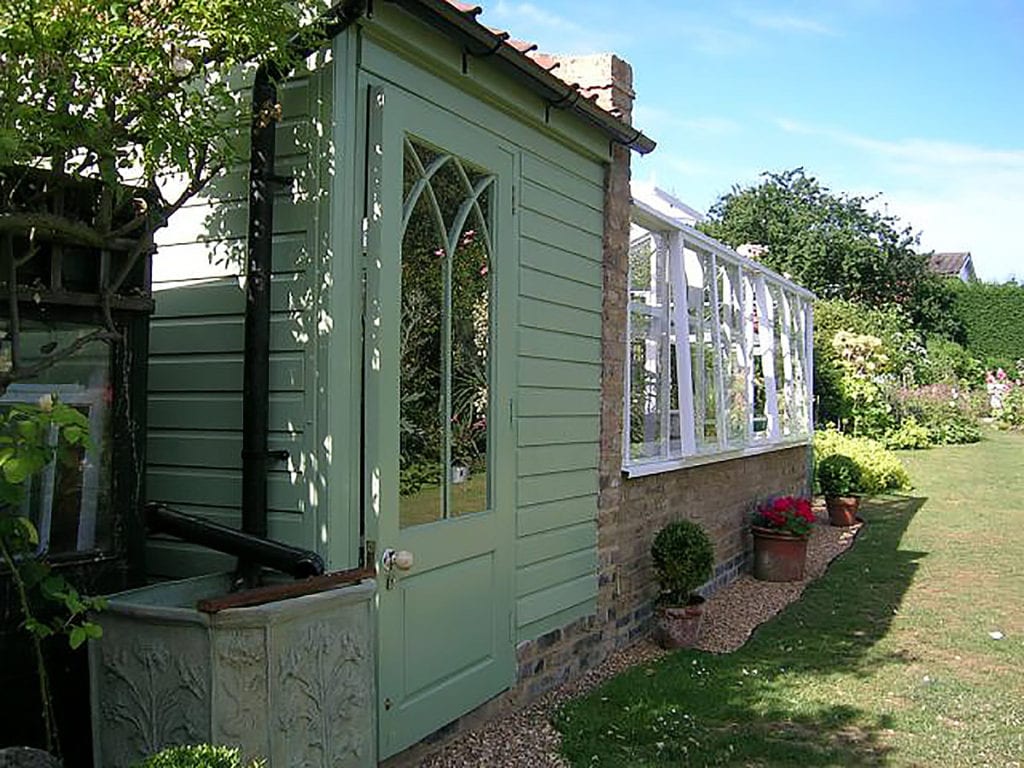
(770,333)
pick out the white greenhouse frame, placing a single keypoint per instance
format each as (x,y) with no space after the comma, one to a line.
(746,317)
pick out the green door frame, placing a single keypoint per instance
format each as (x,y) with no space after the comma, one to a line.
(446,627)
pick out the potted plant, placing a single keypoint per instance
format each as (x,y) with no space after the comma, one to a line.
(780,529)
(683,560)
(839,478)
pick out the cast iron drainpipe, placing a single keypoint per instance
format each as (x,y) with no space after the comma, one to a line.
(256,365)
(259,268)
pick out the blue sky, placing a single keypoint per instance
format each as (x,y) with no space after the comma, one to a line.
(920,101)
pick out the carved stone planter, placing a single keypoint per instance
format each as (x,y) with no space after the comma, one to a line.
(290,682)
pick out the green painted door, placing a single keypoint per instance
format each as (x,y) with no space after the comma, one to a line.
(439,381)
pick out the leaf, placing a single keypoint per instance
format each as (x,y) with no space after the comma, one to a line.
(16,470)
(53,587)
(33,572)
(27,530)
(37,628)
(93,630)
(77,637)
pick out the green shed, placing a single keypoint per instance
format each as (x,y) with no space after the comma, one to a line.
(435,346)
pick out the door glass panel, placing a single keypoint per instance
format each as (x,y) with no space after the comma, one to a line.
(445,337)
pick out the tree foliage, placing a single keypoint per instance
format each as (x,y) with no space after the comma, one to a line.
(111,87)
(834,244)
(113,115)
(993,318)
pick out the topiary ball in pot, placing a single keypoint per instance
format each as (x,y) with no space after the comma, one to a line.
(683,560)
(840,479)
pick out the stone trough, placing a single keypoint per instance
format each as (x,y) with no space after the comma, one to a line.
(290,682)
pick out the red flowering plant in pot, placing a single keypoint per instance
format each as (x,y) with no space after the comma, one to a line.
(780,529)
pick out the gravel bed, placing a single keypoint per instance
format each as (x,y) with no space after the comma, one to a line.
(526,738)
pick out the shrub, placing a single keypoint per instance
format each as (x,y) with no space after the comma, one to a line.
(197,756)
(909,436)
(862,362)
(881,470)
(1012,413)
(993,317)
(839,475)
(683,559)
(415,475)
(948,413)
(946,361)
(899,347)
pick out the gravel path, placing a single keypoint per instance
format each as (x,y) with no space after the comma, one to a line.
(526,739)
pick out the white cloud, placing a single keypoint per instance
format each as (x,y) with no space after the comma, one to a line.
(962,197)
(551,32)
(781,22)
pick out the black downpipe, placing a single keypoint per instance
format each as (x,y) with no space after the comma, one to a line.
(296,562)
(263,177)
(256,368)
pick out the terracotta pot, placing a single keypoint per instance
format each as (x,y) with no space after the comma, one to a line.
(778,556)
(842,510)
(678,626)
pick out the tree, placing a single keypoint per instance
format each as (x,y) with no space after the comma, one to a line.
(114,114)
(834,244)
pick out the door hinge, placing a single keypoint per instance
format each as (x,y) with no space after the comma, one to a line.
(513,199)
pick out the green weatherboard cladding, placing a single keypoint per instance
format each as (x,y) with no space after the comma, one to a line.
(553,319)
(195,368)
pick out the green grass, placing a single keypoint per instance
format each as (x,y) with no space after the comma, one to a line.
(887,660)
(424,506)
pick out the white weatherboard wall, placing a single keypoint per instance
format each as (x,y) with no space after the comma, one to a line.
(195,369)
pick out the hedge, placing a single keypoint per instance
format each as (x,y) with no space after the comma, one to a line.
(993,319)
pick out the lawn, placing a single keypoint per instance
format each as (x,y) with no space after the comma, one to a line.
(424,506)
(887,660)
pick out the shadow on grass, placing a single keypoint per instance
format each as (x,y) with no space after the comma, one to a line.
(776,701)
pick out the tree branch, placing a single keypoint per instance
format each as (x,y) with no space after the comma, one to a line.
(59,229)
(52,227)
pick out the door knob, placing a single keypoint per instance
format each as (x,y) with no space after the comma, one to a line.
(390,560)
(401,559)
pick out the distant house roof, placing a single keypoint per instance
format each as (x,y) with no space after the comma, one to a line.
(952,264)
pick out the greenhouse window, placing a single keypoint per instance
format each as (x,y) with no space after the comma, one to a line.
(719,355)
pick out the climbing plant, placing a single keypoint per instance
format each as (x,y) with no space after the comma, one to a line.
(113,115)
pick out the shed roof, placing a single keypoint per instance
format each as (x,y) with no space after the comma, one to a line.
(459,21)
(950,263)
